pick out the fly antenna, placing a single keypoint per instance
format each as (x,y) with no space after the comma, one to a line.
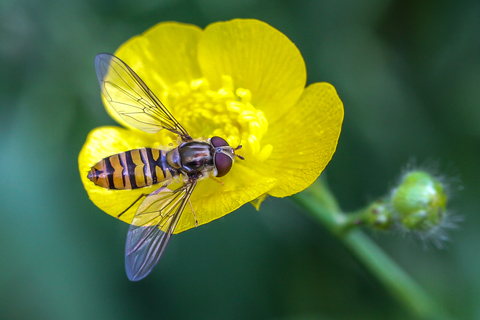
(237,155)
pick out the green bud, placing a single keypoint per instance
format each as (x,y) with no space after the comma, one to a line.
(419,201)
(378,215)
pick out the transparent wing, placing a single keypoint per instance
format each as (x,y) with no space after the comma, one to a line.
(130,97)
(152,227)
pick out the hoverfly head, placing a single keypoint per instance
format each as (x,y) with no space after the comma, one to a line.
(223,156)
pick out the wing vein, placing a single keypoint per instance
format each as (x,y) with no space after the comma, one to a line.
(131,98)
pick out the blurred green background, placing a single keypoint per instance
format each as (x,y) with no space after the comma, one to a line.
(408,73)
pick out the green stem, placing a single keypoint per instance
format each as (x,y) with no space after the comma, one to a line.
(322,205)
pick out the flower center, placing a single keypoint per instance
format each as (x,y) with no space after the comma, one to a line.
(227,113)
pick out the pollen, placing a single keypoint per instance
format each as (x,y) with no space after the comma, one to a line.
(227,112)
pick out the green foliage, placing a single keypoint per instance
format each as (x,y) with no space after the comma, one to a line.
(408,74)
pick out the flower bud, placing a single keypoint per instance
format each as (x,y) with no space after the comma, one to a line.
(379,215)
(419,201)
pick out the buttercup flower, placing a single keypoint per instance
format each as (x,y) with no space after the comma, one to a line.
(241,80)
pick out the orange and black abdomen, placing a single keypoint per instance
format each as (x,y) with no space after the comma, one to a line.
(132,169)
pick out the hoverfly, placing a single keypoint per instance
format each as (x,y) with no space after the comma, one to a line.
(159,211)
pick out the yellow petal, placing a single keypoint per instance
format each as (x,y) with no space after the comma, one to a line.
(304,140)
(211,200)
(258,58)
(103,142)
(162,56)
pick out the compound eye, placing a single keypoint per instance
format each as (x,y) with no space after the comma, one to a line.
(223,163)
(218,142)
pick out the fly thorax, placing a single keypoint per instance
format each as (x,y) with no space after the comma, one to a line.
(196,156)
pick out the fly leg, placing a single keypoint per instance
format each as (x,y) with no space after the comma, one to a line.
(219,181)
(140,197)
(194,215)
(193,179)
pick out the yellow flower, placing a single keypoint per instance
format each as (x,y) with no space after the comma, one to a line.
(241,80)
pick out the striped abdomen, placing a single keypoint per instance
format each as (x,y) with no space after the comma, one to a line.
(132,169)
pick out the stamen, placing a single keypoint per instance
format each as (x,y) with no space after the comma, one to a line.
(226,112)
